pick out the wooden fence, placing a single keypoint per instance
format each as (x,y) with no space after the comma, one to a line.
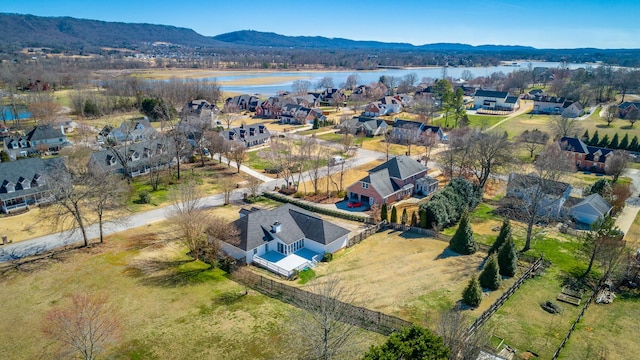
(573,326)
(355,315)
(486,315)
(370,230)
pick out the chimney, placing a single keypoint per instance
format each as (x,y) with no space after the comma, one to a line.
(276,227)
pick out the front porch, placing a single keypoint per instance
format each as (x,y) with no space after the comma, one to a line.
(285,265)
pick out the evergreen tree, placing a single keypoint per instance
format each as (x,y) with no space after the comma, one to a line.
(503,236)
(613,144)
(414,219)
(413,342)
(316,124)
(490,275)
(423,218)
(624,143)
(604,142)
(384,216)
(585,137)
(405,217)
(634,144)
(508,259)
(595,140)
(472,294)
(394,215)
(462,241)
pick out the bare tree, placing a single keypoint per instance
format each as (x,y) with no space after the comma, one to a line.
(616,163)
(109,197)
(452,326)
(301,87)
(632,116)
(188,218)
(389,140)
(316,156)
(86,326)
(603,243)
(218,230)
(428,139)
(611,114)
(325,83)
(352,81)
(563,126)
(227,185)
(541,188)
(488,152)
(44,108)
(230,114)
(532,140)
(181,146)
(238,154)
(254,186)
(323,329)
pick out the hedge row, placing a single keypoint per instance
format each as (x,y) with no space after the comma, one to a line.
(321,210)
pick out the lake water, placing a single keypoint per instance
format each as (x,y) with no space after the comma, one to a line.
(366,77)
(8,114)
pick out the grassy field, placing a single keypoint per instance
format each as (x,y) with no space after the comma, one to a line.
(170,306)
(350,176)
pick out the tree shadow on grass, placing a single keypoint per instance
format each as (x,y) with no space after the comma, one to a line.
(603,126)
(170,273)
(626,127)
(574,278)
(447,253)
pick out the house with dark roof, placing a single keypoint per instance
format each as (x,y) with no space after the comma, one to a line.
(626,107)
(366,125)
(591,209)
(526,187)
(552,105)
(248,135)
(130,130)
(585,157)
(332,97)
(300,115)
(411,131)
(42,138)
(25,182)
(494,100)
(243,102)
(284,239)
(201,110)
(388,182)
(135,159)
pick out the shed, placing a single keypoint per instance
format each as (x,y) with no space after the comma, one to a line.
(590,209)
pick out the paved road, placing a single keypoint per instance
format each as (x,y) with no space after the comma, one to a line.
(628,214)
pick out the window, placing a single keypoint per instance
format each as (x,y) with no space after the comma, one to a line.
(365,185)
(255,251)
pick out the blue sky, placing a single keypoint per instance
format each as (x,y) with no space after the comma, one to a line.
(539,23)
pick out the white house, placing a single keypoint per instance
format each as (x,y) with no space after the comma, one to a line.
(284,239)
(494,100)
(590,209)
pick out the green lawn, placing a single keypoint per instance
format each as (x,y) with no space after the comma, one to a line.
(481,121)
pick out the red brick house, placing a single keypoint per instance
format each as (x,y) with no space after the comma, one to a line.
(388,182)
(589,158)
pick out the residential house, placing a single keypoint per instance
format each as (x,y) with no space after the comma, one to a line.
(412,131)
(42,138)
(374,109)
(495,100)
(249,135)
(554,193)
(284,239)
(426,186)
(300,115)
(243,102)
(585,157)
(388,182)
(332,97)
(130,130)
(391,104)
(25,182)
(627,106)
(270,108)
(572,109)
(135,159)
(366,125)
(201,110)
(590,209)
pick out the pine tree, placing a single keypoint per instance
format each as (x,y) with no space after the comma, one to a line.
(624,143)
(462,241)
(490,275)
(634,144)
(394,215)
(384,216)
(508,259)
(472,294)
(595,140)
(316,124)
(423,218)
(613,144)
(505,233)
(414,219)
(604,142)
(405,217)
(585,137)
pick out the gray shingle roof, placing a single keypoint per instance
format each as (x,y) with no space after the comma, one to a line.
(42,132)
(381,182)
(489,93)
(574,145)
(26,169)
(400,167)
(595,202)
(255,227)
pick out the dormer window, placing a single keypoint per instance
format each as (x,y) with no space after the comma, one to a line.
(134,155)
(8,186)
(365,185)
(159,149)
(147,152)
(111,160)
(38,180)
(24,183)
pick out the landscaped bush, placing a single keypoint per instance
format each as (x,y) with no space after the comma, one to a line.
(472,294)
(503,236)
(463,241)
(490,275)
(321,210)
(508,259)
(144,197)
(327,257)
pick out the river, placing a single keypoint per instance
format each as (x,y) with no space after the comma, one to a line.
(368,76)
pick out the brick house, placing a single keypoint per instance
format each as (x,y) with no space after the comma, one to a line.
(388,182)
(585,157)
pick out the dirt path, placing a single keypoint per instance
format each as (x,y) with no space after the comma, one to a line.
(527,105)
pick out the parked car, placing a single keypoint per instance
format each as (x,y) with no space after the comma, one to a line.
(336,160)
(354,204)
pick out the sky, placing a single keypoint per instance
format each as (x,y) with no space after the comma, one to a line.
(606,24)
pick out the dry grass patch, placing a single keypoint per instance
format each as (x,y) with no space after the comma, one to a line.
(350,176)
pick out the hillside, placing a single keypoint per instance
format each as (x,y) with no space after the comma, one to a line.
(19,31)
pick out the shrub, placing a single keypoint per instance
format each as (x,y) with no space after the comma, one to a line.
(503,236)
(144,197)
(327,257)
(413,342)
(472,294)
(394,215)
(508,259)
(405,217)
(490,275)
(462,241)
(414,219)
(384,216)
